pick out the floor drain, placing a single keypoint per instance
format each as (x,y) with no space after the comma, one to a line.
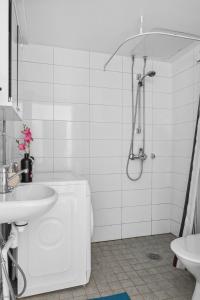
(154,256)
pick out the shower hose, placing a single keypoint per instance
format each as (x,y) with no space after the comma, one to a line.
(4,268)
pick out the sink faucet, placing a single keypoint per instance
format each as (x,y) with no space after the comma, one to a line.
(5,179)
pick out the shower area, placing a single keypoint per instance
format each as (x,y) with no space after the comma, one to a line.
(125,122)
(183,211)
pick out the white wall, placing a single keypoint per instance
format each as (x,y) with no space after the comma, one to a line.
(80,117)
(186,87)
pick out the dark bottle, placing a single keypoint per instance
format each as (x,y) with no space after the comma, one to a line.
(27,163)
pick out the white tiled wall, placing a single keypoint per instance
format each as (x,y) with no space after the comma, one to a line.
(186,87)
(81,121)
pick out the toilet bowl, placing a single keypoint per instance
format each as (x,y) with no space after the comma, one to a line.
(187,249)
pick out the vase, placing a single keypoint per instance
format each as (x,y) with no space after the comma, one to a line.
(27,163)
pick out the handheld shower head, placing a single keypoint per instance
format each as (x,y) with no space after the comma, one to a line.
(150,74)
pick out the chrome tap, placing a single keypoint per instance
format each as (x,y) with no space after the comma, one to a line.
(141,155)
(5,179)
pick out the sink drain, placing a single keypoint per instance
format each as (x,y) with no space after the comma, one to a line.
(154,256)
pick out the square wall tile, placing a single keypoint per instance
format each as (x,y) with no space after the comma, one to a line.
(106,79)
(33,110)
(71,112)
(182,146)
(77,165)
(105,131)
(71,94)
(105,148)
(161,180)
(160,227)
(184,113)
(105,96)
(184,131)
(162,116)
(162,101)
(160,211)
(101,113)
(109,199)
(183,96)
(42,148)
(68,57)
(35,91)
(162,84)
(183,79)
(36,72)
(162,148)
(110,216)
(136,214)
(71,76)
(136,197)
(111,182)
(136,229)
(42,164)
(106,233)
(162,164)
(71,130)
(162,196)
(71,148)
(105,165)
(162,132)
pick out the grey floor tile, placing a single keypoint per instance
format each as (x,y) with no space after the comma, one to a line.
(123,265)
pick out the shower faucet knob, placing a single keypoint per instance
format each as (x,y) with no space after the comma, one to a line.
(153,156)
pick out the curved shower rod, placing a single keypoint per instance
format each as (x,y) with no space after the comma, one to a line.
(178,34)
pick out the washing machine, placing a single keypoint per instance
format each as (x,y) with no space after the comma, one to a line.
(55,250)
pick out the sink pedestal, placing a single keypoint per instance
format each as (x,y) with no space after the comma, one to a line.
(11,243)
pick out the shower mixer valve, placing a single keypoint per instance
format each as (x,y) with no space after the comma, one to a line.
(141,155)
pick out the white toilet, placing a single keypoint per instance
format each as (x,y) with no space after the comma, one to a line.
(187,249)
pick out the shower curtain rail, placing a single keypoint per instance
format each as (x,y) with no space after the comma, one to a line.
(165,33)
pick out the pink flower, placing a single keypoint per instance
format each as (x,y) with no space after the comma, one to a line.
(28,138)
(22,147)
(27,131)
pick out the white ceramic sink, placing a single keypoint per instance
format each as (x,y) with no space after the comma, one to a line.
(26,202)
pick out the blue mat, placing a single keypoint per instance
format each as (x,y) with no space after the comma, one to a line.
(122,296)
